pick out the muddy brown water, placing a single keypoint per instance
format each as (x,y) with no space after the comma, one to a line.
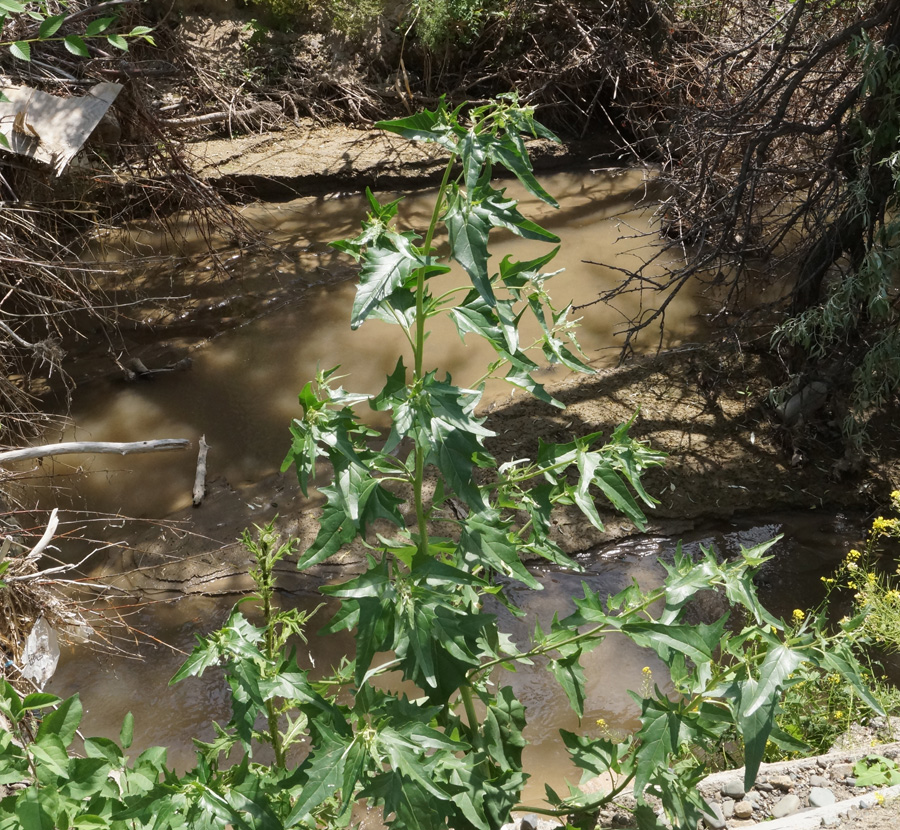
(241,393)
(812,547)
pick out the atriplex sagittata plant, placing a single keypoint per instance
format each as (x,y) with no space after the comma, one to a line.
(450,755)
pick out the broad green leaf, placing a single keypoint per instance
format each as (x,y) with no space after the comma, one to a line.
(595,756)
(569,673)
(103,748)
(98,26)
(39,700)
(63,722)
(501,212)
(12,6)
(118,41)
(754,728)
(87,777)
(139,31)
(779,662)
(29,809)
(430,126)
(75,45)
(50,755)
(468,231)
(504,151)
(697,642)
(335,531)
(384,269)
(324,771)
(51,25)
(504,721)
(21,49)
(484,536)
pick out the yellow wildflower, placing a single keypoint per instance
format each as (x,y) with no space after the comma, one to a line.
(797,616)
(647,671)
(601,723)
(834,678)
(879,798)
(838,715)
(853,555)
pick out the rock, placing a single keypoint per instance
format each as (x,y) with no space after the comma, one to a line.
(818,781)
(753,798)
(727,808)
(782,782)
(786,807)
(743,810)
(529,822)
(714,820)
(821,797)
(764,786)
(841,771)
(733,788)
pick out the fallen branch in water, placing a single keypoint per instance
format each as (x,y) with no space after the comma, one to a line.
(200,477)
(69,447)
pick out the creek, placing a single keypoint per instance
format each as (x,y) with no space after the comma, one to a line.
(241,390)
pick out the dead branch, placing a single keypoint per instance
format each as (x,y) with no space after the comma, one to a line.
(67,448)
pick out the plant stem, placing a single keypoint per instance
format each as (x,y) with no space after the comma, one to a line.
(419,359)
(465,692)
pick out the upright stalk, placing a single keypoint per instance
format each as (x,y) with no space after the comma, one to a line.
(419,361)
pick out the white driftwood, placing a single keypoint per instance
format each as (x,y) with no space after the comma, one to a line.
(70,447)
(35,553)
(200,477)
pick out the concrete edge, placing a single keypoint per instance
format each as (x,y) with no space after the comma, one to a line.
(812,819)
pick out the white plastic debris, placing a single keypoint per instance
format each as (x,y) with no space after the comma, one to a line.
(50,128)
(41,653)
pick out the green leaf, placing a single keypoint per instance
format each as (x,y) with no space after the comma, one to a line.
(697,642)
(126,733)
(75,45)
(569,673)
(876,771)
(436,126)
(139,30)
(386,267)
(118,41)
(39,700)
(779,662)
(754,728)
(335,531)
(12,6)
(504,151)
(51,25)
(468,231)
(98,26)
(21,49)
(62,723)
(324,771)
(29,809)
(50,754)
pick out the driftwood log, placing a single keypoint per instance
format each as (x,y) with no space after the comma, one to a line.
(70,447)
(200,477)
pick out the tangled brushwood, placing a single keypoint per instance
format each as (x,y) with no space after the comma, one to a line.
(43,606)
(130,167)
(775,127)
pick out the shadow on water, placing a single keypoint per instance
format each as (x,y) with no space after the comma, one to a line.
(241,391)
